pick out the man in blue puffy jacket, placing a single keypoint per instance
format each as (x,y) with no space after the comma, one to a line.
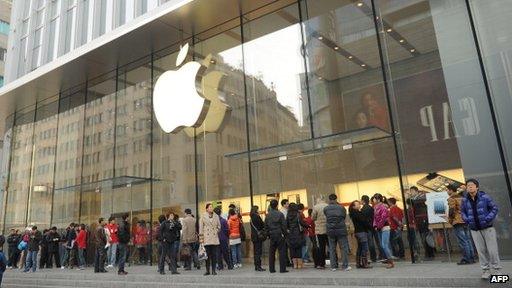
(479,211)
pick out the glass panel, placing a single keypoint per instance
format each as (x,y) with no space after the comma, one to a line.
(41,188)
(436,77)
(278,110)
(5,160)
(344,73)
(495,38)
(97,199)
(222,179)
(66,199)
(21,166)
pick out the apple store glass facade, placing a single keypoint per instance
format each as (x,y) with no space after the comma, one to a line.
(345,97)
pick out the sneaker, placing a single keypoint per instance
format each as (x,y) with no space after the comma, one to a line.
(62,267)
(109,266)
(333,269)
(240,265)
(486,274)
(347,269)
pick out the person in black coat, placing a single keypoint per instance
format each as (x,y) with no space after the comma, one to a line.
(361,228)
(275,225)
(53,248)
(14,254)
(258,236)
(43,260)
(296,239)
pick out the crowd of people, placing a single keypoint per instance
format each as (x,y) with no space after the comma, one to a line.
(217,238)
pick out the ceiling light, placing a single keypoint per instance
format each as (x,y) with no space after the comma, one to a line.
(336,48)
(350,57)
(320,38)
(363,65)
(359,4)
(413,50)
(402,41)
(389,30)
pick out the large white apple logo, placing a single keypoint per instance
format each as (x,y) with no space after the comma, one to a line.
(184,98)
(177,98)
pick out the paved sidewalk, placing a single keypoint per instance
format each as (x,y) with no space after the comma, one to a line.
(433,274)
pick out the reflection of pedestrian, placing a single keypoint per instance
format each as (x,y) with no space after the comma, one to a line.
(479,211)
(377,114)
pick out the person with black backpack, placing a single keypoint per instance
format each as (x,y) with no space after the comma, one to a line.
(124,238)
(167,237)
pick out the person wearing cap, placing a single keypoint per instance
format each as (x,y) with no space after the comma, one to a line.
(33,248)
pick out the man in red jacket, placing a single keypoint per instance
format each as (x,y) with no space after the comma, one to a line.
(81,241)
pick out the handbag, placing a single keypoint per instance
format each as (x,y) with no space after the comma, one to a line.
(243,235)
(261,234)
(185,252)
(201,253)
(429,239)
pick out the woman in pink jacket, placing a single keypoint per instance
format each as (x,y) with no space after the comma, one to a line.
(381,224)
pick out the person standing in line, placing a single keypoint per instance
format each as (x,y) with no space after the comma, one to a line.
(223,252)
(3,262)
(284,210)
(189,238)
(81,241)
(43,255)
(209,227)
(53,247)
(123,235)
(337,233)
(258,236)
(361,228)
(318,217)
(160,245)
(69,254)
(167,237)
(33,248)
(479,211)
(459,226)
(373,237)
(411,231)
(14,253)
(176,244)
(100,239)
(381,224)
(312,245)
(275,224)
(307,244)
(141,241)
(235,242)
(113,241)
(396,216)
(296,239)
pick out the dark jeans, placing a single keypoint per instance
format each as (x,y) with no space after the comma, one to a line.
(123,252)
(413,242)
(99,259)
(14,256)
(43,260)
(167,251)
(1,276)
(258,251)
(342,242)
(81,257)
(362,245)
(223,254)
(211,261)
(55,255)
(397,243)
(142,254)
(322,245)
(465,243)
(277,245)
